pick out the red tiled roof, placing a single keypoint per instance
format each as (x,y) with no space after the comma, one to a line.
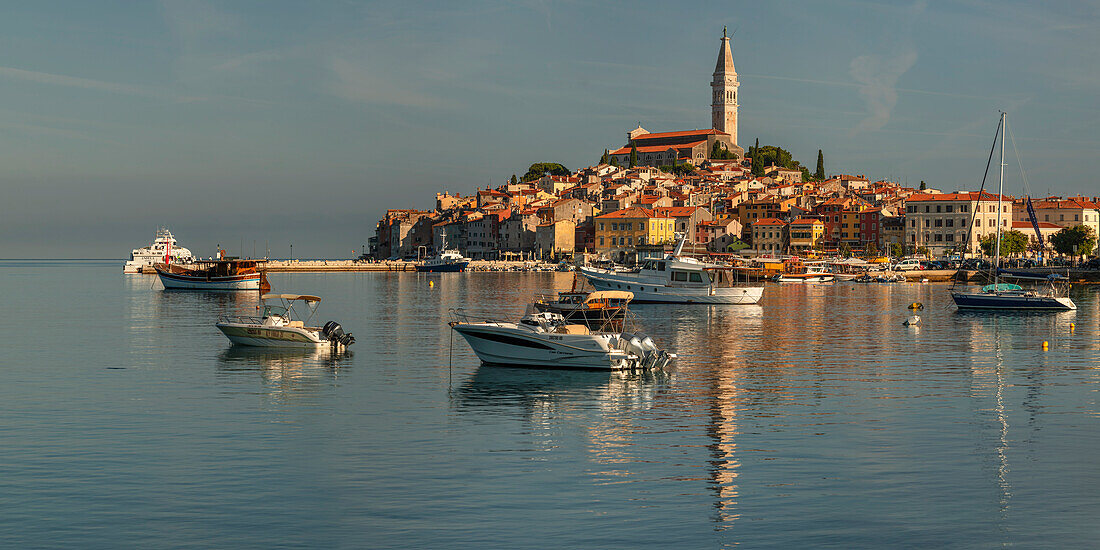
(632,212)
(675,211)
(681,133)
(656,148)
(1025,224)
(807,221)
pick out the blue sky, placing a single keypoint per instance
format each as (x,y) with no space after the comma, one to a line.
(301,122)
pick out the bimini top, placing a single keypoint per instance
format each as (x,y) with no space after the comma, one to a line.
(610,295)
(291,297)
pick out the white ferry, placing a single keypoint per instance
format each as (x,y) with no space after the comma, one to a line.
(164,244)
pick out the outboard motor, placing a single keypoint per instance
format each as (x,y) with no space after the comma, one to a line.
(335,333)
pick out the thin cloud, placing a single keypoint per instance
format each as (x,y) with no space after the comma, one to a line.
(88,84)
(878,75)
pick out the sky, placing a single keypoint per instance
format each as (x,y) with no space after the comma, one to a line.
(261,125)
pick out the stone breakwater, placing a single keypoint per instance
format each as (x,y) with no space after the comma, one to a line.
(325,266)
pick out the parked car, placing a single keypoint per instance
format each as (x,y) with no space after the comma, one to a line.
(1093,263)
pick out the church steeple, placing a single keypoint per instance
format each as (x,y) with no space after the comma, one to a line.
(724,90)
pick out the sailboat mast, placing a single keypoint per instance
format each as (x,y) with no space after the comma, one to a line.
(1000,193)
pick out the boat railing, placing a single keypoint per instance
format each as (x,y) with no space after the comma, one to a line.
(241,319)
(458,315)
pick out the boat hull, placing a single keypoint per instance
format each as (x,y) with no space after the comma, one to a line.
(805,278)
(501,346)
(175,281)
(271,337)
(651,293)
(991,301)
(443,268)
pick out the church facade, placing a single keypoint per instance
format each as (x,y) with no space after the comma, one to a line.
(694,146)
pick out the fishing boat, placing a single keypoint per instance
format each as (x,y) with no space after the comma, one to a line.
(545,339)
(678,279)
(221,274)
(448,261)
(163,249)
(599,310)
(1006,296)
(281,327)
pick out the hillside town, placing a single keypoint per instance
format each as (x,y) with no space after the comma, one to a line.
(724,199)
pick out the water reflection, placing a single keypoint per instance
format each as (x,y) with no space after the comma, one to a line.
(527,389)
(284,373)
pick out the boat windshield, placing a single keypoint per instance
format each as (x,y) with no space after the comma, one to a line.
(1001,287)
(274,310)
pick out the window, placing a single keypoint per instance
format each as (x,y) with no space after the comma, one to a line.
(630,241)
(927,223)
(695,278)
(927,209)
(614,227)
(601,227)
(912,223)
(660,266)
(1046,217)
(601,241)
(964,208)
(939,208)
(950,237)
(679,276)
(939,222)
(950,207)
(950,222)
(1075,216)
(939,237)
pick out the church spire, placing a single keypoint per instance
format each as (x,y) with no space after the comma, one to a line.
(725,57)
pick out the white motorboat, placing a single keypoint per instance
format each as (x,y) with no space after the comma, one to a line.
(448,261)
(544,339)
(164,244)
(678,279)
(281,327)
(808,273)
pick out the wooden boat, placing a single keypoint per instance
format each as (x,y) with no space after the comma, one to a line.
(227,274)
(603,309)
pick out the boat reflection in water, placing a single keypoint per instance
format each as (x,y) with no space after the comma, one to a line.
(284,371)
(531,390)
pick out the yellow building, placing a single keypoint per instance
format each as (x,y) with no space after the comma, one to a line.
(632,227)
(806,234)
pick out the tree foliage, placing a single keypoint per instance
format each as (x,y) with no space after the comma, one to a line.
(897,250)
(513,181)
(845,250)
(871,250)
(923,185)
(718,151)
(819,174)
(1012,243)
(1079,236)
(605,156)
(633,155)
(679,169)
(540,169)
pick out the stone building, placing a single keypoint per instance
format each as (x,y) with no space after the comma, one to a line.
(939,221)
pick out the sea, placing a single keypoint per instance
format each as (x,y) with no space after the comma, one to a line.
(816,419)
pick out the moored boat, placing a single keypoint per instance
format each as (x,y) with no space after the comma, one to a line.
(281,327)
(545,339)
(603,309)
(228,274)
(448,261)
(678,279)
(163,249)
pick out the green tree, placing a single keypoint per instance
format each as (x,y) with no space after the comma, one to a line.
(540,169)
(513,181)
(897,250)
(845,250)
(614,162)
(871,250)
(923,186)
(1012,243)
(606,154)
(819,174)
(633,155)
(923,251)
(1077,240)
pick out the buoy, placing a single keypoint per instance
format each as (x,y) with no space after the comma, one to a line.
(1072,327)
(1046,344)
(431,283)
(916,305)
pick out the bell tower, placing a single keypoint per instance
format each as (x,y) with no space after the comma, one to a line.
(723,107)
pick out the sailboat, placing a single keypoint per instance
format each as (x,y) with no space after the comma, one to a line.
(1007,296)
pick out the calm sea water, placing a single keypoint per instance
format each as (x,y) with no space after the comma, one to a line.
(814,420)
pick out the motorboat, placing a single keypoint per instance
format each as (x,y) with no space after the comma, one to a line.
(445,262)
(281,327)
(1006,296)
(221,274)
(601,310)
(163,249)
(678,279)
(797,272)
(546,339)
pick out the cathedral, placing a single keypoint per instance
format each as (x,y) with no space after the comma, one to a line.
(694,146)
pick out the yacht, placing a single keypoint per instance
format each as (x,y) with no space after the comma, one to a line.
(677,279)
(281,327)
(164,244)
(545,339)
(446,261)
(221,274)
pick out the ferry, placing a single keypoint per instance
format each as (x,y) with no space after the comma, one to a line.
(164,246)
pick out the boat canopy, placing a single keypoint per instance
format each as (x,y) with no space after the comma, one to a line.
(291,297)
(610,295)
(1000,287)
